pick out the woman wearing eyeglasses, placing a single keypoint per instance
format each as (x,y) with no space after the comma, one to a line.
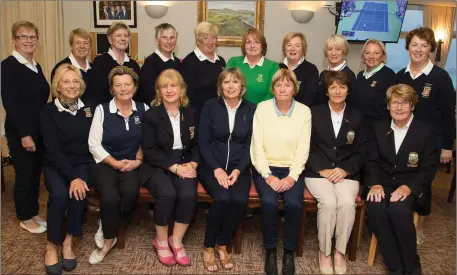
(24,92)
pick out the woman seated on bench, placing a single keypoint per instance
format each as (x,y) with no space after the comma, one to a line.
(224,138)
(332,172)
(279,150)
(402,161)
(114,141)
(170,162)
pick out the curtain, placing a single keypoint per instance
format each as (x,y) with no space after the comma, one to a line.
(441,20)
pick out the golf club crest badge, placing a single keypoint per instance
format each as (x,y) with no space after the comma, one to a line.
(88,112)
(350,136)
(426,90)
(192,132)
(260,78)
(413,159)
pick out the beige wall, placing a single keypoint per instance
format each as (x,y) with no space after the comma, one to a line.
(183,15)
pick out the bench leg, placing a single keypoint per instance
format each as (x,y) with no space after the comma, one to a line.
(361,225)
(121,237)
(352,245)
(239,237)
(450,196)
(301,235)
(372,251)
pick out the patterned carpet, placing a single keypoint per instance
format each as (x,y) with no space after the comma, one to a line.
(23,253)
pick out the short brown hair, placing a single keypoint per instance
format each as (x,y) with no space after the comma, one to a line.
(426,34)
(23,24)
(163,27)
(284,74)
(58,75)
(258,35)
(237,74)
(292,35)
(339,77)
(116,26)
(403,91)
(173,76)
(81,33)
(119,71)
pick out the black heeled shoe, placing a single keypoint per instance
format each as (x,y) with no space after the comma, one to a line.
(55,269)
(69,264)
(288,263)
(271,265)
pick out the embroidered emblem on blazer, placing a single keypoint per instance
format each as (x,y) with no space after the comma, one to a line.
(136,119)
(88,112)
(413,159)
(373,84)
(192,132)
(350,137)
(260,78)
(426,90)
(299,83)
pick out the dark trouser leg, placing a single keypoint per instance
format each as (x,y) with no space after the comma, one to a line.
(27,168)
(106,184)
(161,187)
(186,199)
(293,208)
(129,187)
(379,222)
(75,212)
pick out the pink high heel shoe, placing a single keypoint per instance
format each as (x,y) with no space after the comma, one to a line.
(182,261)
(167,261)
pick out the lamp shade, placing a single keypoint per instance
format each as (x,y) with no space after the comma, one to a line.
(156,11)
(302,16)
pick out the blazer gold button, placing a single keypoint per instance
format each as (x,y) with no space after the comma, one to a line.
(334,148)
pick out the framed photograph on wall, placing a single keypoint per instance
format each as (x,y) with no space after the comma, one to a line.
(233,18)
(107,12)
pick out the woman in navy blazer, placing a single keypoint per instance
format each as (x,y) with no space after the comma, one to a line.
(224,138)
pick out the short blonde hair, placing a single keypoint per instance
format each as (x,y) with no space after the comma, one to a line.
(81,33)
(166,77)
(292,35)
(375,42)
(237,74)
(117,26)
(258,35)
(119,71)
(284,74)
(402,91)
(23,24)
(205,28)
(58,75)
(339,41)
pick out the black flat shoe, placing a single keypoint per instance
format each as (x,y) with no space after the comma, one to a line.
(69,264)
(55,269)
(271,266)
(288,264)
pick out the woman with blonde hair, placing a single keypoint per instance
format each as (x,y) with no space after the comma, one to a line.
(201,68)
(336,48)
(65,124)
(170,165)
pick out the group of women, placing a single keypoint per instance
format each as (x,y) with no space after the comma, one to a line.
(114,126)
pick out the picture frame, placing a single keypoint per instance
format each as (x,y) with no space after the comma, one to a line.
(233,18)
(107,12)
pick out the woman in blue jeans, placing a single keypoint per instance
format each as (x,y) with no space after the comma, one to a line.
(279,151)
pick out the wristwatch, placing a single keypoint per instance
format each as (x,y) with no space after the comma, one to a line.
(265,176)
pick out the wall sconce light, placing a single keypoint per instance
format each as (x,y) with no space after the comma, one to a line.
(156,11)
(302,16)
(438,51)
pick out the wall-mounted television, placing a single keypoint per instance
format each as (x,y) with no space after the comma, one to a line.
(363,20)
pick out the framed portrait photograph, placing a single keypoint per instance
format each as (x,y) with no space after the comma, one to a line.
(107,12)
(233,18)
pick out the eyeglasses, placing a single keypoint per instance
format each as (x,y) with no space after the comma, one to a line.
(25,37)
(399,103)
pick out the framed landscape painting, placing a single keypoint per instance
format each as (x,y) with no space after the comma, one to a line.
(107,12)
(233,18)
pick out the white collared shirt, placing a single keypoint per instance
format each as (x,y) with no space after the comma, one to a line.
(60,108)
(337,119)
(400,133)
(296,65)
(76,64)
(176,125)
(337,68)
(260,63)
(126,57)
(203,57)
(96,129)
(426,70)
(372,72)
(231,114)
(32,66)
(163,57)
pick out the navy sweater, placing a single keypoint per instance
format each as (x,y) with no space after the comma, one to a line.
(308,77)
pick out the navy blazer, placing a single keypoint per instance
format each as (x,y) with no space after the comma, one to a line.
(414,165)
(219,148)
(346,151)
(157,140)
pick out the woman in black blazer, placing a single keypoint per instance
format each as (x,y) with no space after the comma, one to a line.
(332,171)
(170,162)
(224,138)
(401,166)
